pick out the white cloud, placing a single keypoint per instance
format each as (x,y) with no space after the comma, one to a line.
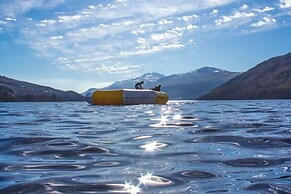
(285,4)
(187,18)
(170,34)
(106,37)
(110,38)
(141,40)
(3,22)
(153,49)
(265,9)
(237,15)
(214,12)
(88,64)
(191,27)
(13,8)
(264,22)
(137,32)
(10,19)
(244,7)
(119,68)
(48,22)
(164,21)
(122,1)
(74,18)
(56,37)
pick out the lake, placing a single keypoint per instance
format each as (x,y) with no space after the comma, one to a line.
(181,147)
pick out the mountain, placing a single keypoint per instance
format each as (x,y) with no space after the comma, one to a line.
(195,84)
(270,79)
(191,85)
(150,80)
(12,90)
(90,90)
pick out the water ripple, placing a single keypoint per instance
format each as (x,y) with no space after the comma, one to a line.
(181,147)
(255,162)
(196,175)
(251,142)
(269,188)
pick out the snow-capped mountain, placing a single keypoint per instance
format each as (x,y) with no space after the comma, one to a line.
(204,74)
(190,85)
(150,80)
(195,84)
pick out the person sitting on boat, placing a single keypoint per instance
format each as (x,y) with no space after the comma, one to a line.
(138,85)
(157,88)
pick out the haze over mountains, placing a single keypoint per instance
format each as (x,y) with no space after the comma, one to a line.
(270,79)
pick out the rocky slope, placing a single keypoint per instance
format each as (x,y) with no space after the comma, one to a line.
(12,90)
(270,79)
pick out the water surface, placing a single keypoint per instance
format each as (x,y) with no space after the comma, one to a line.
(181,147)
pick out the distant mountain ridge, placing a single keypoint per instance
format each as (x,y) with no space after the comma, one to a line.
(195,84)
(150,80)
(12,90)
(270,79)
(190,85)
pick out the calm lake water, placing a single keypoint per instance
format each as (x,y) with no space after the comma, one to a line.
(181,147)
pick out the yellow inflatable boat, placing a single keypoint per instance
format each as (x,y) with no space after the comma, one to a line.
(126,97)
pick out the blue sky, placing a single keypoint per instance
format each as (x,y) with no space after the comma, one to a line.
(77,44)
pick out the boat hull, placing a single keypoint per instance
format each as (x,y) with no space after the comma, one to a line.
(126,97)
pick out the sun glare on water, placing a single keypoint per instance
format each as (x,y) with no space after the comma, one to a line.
(132,189)
(153,146)
(164,120)
(177,117)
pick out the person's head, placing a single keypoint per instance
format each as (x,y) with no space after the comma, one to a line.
(159,86)
(141,82)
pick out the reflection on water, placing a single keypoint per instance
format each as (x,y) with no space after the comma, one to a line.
(153,146)
(181,147)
